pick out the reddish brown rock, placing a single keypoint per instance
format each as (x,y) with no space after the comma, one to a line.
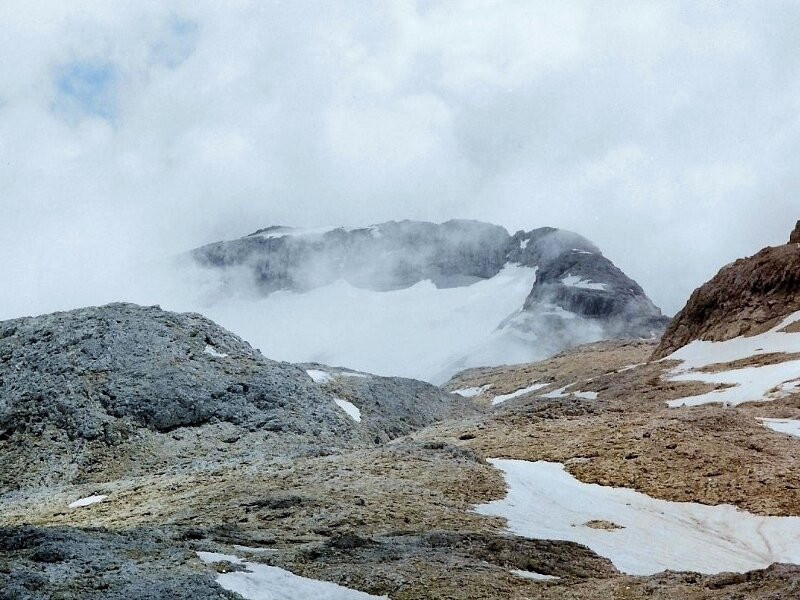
(746,297)
(795,237)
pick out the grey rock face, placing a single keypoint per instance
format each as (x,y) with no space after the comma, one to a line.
(545,245)
(574,276)
(66,563)
(94,372)
(80,382)
(382,257)
(393,406)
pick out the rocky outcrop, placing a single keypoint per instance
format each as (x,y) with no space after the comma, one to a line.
(575,277)
(98,372)
(794,238)
(746,297)
(391,407)
(79,389)
(40,563)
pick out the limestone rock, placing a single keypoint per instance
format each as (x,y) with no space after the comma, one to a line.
(94,389)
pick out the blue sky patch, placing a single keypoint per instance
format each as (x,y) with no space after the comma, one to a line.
(88,88)
(177,43)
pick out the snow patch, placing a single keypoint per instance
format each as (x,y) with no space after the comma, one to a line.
(749,384)
(557,311)
(578,282)
(531,388)
(563,393)
(209,349)
(533,575)
(87,501)
(559,393)
(420,331)
(790,426)
(471,392)
(700,353)
(524,243)
(215,557)
(546,502)
(351,409)
(262,582)
(279,232)
(319,376)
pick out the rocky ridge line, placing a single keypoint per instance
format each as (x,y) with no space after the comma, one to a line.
(573,276)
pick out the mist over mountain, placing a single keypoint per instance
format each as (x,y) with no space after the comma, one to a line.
(422,299)
(153,454)
(365,300)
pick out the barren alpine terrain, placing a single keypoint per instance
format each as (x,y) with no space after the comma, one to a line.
(399,300)
(149,454)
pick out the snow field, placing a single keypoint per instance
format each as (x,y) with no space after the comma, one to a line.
(546,502)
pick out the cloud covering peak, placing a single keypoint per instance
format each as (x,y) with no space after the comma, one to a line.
(664,132)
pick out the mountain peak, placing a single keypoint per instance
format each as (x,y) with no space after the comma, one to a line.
(494,297)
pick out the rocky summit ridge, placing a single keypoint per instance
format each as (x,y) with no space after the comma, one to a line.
(578,295)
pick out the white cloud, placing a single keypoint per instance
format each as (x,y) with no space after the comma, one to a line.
(664,132)
(408,129)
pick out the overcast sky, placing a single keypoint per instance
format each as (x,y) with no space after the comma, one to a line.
(668,133)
